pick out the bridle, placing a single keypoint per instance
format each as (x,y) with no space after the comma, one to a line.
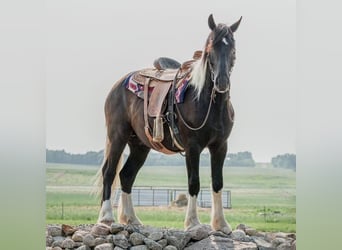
(213,79)
(212,97)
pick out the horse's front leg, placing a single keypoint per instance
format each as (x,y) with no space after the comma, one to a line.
(192,165)
(218,222)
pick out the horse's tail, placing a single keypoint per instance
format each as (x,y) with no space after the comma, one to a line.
(98,183)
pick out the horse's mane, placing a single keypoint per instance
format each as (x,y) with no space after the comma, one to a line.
(198,74)
(199,68)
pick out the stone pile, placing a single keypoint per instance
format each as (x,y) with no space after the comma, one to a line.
(121,237)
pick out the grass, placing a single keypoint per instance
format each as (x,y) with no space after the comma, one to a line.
(264,198)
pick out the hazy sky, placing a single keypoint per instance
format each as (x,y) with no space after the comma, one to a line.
(91,44)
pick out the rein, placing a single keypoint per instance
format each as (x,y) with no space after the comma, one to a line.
(212,96)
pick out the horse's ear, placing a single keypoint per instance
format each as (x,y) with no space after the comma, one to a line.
(211,22)
(235,26)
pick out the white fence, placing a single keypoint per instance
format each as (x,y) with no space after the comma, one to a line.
(151,196)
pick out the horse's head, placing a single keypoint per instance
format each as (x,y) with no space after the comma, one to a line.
(220,53)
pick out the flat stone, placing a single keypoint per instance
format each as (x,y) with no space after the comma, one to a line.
(100,229)
(140,247)
(137,238)
(115,228)
(170,247)
(222,243)
(105,246)
(156,236)
(277,241)
(121,241)
(118,248)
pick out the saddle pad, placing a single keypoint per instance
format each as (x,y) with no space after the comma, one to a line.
(138,89)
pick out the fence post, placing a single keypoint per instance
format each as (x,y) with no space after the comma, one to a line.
(152,197)
(62,210)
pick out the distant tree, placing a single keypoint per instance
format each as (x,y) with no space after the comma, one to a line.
(240,159)
(284,161)
(60,156)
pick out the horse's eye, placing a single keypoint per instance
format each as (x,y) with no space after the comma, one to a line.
(224,40)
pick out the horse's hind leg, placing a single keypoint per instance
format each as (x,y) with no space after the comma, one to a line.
(114,149)
(135,160)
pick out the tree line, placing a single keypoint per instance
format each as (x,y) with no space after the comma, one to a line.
(240,159)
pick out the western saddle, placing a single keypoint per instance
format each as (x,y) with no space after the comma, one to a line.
(164,78)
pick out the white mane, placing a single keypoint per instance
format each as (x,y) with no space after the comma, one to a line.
(198,75)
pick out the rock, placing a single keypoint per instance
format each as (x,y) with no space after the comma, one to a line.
(48,240)
(115,228)
(54,231)
(77,237)
(89,240)
(68,230)
(99,241)
(68,243)
(124,233)
(84,247)
(162,242)
(285,246)
(105,246)
(217,242)
(238,234)
(199,232)
(219,233)
(140,247)
(178,239)
(118,248)
(170,247)
(109,238)
(58,240)
(277,241)
(242,227)
(121,241)
(100,229)
(56,248)
(263,244)
(137,238)
(251,231)
(151,244)
(156,236)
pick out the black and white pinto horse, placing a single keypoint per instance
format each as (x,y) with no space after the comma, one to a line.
(208,120)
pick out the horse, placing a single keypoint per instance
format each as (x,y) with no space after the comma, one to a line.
(204,120)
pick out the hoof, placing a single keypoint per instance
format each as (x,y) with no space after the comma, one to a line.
(107,222)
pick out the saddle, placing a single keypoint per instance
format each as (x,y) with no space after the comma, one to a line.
(166,74)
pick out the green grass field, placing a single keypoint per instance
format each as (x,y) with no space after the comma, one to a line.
(262,197)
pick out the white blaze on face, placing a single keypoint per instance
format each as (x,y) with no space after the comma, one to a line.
(224,40)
